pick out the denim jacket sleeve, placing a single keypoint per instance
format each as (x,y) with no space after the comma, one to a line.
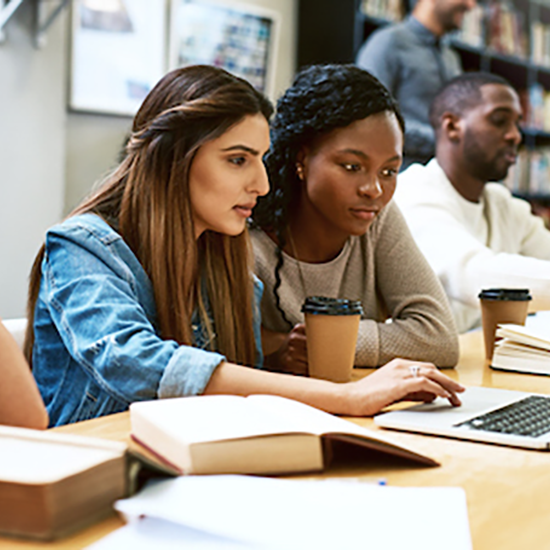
(101,302)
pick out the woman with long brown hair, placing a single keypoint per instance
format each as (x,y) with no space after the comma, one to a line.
(146,292)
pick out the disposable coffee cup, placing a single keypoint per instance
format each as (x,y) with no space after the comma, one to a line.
(331,328)
(500,306)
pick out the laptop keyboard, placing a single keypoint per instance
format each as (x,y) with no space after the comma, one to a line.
(529,416)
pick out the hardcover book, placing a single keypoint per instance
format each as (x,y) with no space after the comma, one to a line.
(258,434)
(52,484)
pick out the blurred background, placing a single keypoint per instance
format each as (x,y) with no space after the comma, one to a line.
(72,73)
(51,149)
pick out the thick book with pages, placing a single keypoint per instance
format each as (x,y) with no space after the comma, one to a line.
(523,349)
(258,434)
(52,484)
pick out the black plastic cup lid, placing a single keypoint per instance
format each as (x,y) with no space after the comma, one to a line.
(503,294)
(322,305)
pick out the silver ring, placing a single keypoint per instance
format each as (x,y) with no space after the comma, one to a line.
(414,369)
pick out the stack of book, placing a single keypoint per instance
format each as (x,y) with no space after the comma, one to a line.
(524,348)
(391,10)
(540,43)
(536,107)
(506,30)
(531,173)
(472,31)
(518,179)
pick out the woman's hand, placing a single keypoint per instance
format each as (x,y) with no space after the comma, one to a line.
(291,350)
(399,380)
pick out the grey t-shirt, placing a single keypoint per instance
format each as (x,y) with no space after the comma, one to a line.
(413,64)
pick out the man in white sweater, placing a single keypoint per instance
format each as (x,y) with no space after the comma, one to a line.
(473,233)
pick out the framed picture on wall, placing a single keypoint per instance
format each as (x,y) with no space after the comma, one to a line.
(237,37)
(118,53)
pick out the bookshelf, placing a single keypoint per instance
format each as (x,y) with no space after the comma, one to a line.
(506,37)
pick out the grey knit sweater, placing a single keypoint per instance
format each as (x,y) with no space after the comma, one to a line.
(386,271)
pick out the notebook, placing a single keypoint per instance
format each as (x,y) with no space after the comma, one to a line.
(488,415)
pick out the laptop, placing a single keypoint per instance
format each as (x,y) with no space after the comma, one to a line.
(489,415)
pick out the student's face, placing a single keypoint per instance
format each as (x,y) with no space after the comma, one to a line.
(450,13)
(227,176)
(350,174)
(490,133)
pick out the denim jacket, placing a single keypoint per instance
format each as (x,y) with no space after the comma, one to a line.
(97,347)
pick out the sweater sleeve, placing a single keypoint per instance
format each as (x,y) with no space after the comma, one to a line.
(421,325)
(465,265)
(525,264)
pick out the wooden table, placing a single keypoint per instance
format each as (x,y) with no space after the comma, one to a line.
(508,490)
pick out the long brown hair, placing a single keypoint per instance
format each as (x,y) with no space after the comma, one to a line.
(146,199)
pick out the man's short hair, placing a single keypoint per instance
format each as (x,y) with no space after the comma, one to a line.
(461,94)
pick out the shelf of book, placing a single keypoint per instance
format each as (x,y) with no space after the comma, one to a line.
(459,44)
(373,20)
(540,198)
(506,37)
(384,10)
(530,176)
(529,179)
(536,133)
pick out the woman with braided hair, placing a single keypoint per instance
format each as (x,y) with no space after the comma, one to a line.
(146,290)
(328,226)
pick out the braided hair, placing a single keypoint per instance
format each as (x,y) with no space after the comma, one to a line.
(321,99)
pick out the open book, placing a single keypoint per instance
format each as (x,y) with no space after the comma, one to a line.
(524,348)
(259,434)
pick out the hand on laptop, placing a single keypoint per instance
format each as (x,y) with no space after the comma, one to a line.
(402,380)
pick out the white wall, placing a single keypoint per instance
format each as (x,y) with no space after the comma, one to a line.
(32,149)
(49,159)
(92,146)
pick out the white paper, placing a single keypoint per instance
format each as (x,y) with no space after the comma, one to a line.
(158,534)
(311,420)
(272,513)
(222,417)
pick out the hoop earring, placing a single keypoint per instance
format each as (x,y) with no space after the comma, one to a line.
(300,171)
